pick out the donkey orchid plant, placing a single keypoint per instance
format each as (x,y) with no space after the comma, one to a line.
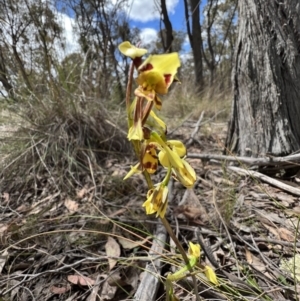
(147,132)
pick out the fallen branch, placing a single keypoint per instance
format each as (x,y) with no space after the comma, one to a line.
(149,285)
(264,178)
(249,161)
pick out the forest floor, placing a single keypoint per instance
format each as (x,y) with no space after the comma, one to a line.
(94,244)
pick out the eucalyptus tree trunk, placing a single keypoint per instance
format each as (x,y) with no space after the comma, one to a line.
(168,38)
(266,79)
(195,39)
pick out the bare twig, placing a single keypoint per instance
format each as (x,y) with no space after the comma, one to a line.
(266,161)
(195,131)
(269,180)
(148,287)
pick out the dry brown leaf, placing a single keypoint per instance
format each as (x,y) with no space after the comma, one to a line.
(248,255)
(128,276)
(295,211)
(272,230)
(81,193)
(286,234)
(71,205)
(193,214)
(22,208)
(241,227)
(118,173)
(132,277)
(60,290)
(112,249)
(108,292)
(129,244)
(95,290)
(258,264)
(81,280)
(3,228)
(5,196)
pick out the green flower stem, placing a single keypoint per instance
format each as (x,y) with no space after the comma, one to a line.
(129,86)
(184,256)
(148,179)
(189,262)
(167,177)
(176,241)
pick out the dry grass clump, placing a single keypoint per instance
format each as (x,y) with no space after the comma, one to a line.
(61,140)
(184,100)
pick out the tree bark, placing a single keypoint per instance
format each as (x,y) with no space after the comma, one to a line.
(3,77)
(168,39)
(266,79)
(211,63)
(195,40)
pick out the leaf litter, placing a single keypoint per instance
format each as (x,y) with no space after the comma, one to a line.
(93,243)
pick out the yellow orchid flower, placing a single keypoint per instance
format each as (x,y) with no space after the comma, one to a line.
(168,152)
(156,74)
(194,250)
(173,157)
(186,175)
(157,200)
(176,146)
(193,254)
(131,51)
(136,131)
(211,275)
(158,121)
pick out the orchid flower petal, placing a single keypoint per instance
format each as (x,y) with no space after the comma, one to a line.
(136,131)
(134,169)
(131,51)
(178,147)
(158,121)
(211,275)
(194,250)
(158,71)
(150,160)
(185,175)
(157,200)
(173,157)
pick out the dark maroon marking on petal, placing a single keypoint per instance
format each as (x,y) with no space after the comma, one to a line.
(174,174)
(147,67)
(167,78)
(157,101)
(150,192)
(137,62)
(149,147)
(147,132)
(149,165)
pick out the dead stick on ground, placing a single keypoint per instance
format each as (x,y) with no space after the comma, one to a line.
(149,285)
(266,161)
(262,177)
